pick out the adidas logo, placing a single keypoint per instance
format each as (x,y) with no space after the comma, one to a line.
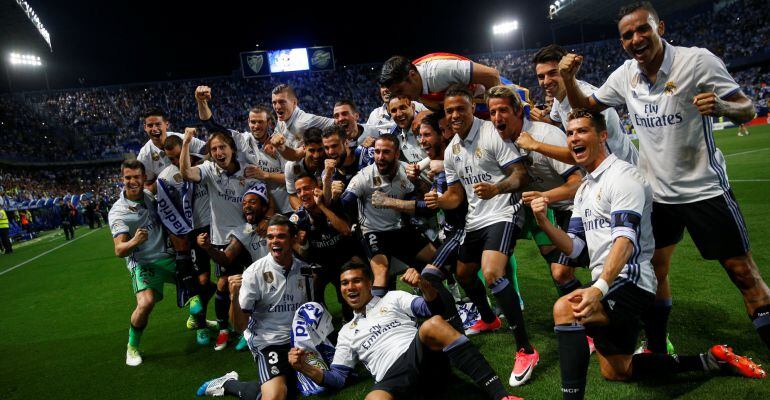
(272,289)
(611,303)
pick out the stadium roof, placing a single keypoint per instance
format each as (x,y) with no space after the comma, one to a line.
(17,32)
(600,11)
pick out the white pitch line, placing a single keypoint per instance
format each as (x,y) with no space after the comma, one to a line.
(747,152)
(44,253)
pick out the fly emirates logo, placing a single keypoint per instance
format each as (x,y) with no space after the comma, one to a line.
(471,178)
(651,118)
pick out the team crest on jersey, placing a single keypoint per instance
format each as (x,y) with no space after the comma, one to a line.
(479,152)
(599,194)
(294,218)
(456,148)
(635,80)
(177,178)
(268,276)
(377,181)
(274,370)
(155,156)
(670,88)
(384,310)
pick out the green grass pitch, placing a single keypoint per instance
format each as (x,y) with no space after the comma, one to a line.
(64,318)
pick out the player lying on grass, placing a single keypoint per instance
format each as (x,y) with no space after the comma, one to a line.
(611,219)
(403,357)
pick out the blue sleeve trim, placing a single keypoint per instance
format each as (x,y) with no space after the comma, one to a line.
(599,101)
(730,93)
(569,172)
(509,163)
(349,199)
(114,235)
(576,227)
(452,183)
(336,376)
(625,218)
(420,308)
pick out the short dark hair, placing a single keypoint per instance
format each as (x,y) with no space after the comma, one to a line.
(389,138)
(459,89)
(597,119)
(284,88)
(280,219)
(225,137)
(334,129)
(154,112)
(303,175)
(353,264)
(395,70)
(347,102)
(550,53)
(432,120)
(131,164)
(313,135)
(171,142)
(262,109)
(639,5)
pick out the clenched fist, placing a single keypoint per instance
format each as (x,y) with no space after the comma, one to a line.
(569,65)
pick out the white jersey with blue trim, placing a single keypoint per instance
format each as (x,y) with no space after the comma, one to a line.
(613,201)
(547,173)
(381,120)
(294,128)
(251,241)
(271,295)
(250,150)
(378,336)
(126,216)
(618,142)
(678,156)
(155,159)
(368,181)
(225,197)
(482,157)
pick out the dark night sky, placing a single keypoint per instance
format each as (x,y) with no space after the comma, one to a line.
(121,42)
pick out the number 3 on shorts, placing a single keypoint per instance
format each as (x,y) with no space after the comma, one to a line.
(272,357)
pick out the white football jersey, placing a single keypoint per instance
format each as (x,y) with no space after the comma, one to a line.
(253,243)
(546,173)
(294,128)
(271,295)
(225,198)
(251,151)
(155,159)
(678,156)
(615,200)
(379,336)
(618,142)
(126,216)
(482,157)
(381,120)
(368,181)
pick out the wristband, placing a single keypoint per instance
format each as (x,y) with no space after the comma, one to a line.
(602,285)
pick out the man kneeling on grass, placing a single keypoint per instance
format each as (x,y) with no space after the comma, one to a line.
(611,220)
(403,358)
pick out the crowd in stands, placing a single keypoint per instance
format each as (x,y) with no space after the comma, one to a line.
(103,123)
